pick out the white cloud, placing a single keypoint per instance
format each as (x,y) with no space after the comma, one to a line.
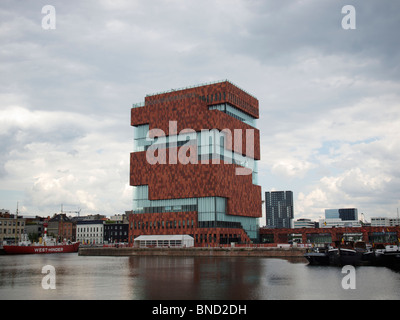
(88,169)
(311,205)
(345,157)
(329,111)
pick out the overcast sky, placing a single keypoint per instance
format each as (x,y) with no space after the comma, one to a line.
(329,97)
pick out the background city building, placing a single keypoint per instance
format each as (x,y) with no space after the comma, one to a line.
(329,223)
(384,222)
(305,223)
(116,232)
(279,209)
(344,214)
(90,232)
(61,228)
(12,227)
(345,217)
(34,227)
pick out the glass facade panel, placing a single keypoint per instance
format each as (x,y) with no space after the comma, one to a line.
(211,210)
(383,237)
(140,143)
(141,131)
(319,238)
(235,113)
(206,205)
(249,224)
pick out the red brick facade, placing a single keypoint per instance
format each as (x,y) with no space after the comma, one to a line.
(190,109)
(183,223)
(283,235)
(201,180)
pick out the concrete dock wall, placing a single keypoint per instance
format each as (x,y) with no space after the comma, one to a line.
(217,252)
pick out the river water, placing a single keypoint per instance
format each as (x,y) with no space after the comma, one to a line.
(182,278)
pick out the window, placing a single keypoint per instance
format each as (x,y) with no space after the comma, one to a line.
(140,142)
(235,113)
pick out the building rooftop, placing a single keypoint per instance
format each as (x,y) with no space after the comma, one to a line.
(196,86)
(142,103)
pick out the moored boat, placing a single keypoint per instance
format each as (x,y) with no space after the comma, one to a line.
(317,256)
(40,249)
(350,253)
(356,254)
(344,256)
(388,256)
(46,245)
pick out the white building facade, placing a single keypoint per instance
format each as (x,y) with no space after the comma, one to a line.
(384,222)
(304,223)
(90,232)
(338,223)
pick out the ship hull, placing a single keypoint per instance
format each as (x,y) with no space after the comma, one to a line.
(315,258)
(67,248)
(390,259)
(342,257)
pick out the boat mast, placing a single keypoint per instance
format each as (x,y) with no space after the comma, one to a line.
(398,238)
(16,226)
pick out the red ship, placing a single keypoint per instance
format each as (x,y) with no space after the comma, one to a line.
(48,246)
(35,249)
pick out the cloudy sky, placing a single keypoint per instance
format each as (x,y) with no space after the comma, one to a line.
(329,97)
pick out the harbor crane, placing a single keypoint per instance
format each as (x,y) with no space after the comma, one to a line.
(77,212)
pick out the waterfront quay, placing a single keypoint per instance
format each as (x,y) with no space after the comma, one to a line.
(271,252)
(368,234)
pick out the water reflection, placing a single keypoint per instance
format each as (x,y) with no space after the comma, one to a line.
(182,278)
(179,278)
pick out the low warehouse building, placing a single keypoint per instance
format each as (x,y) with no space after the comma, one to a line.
(166,241)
